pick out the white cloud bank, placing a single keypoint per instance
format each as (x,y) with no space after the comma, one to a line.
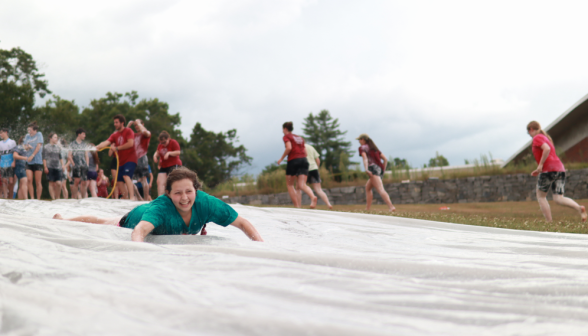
(459,77)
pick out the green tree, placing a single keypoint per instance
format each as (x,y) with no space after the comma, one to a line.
(214,156)
(438,161)
(272,168)
(60,116)
(398,163)
(20,82)
(324,134)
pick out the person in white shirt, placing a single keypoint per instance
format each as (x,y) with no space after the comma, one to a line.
(314,178)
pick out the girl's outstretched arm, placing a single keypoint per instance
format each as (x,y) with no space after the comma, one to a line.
(247,228)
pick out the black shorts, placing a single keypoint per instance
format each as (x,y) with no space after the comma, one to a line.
(554,180)
(123,220)
(376,170)
(54,175)
(92,175)
(314,177)
(297,167)
(168,170)
(113,163)
(80,172)
(142,169)
(34,167)
(6,172)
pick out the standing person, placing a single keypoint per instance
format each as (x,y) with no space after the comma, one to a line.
(33,143)
(53,165)
(20,169)
(551,172)
(142,138)
(7,147)
(102,183)
(168,156)
(314,178)
(374,167)
(66,164)
(93,162)
(78,157)
(297,168)
(123,142)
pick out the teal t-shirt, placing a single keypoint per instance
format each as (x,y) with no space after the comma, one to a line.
(162,213)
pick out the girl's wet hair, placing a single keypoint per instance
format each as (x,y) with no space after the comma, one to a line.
(179,174)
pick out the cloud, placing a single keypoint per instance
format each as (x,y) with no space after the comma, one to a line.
(458,77)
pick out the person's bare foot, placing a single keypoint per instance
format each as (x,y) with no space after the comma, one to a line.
(57,216)
(330,207)
(393,209)
(583,213)
(313,203)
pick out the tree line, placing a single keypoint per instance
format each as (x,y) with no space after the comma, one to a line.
(215,156)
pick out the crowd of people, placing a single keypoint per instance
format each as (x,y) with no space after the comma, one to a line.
(22,164)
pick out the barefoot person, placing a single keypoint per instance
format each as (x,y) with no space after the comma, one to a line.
(182,210)
(53,165)
(123,142)
(551,172)
(7,147)
(78,157)
(33,144)
(314,178)
(93,167)
(374,167)
(168,156)
(142,138)
(297,168)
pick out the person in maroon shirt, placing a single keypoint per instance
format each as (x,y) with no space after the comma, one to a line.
(168,155)
(551,172)
(297,168)
(375,168)
(123,142)
(142,139)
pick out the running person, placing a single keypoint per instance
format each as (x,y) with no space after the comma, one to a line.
(93,162)
(78,157)
(142,138)
(123,142)
(374,167)
(168,155)
(7,147)
(314,178)
(551,172)
(33,144)
(182,210)
(297,168)
(53,165)
(20,169)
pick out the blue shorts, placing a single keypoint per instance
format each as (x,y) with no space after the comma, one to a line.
(128,169)
(20,172)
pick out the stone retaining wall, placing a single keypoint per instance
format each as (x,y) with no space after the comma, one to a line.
(518,187)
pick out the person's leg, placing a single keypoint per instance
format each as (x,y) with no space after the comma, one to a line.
(91,219)
(544,205)
(11,183)
(38,180)
(302,186)
(290,179)
(122,189)
(130,187)
(30,184)
(76,187)
(379,186)
(92,187)
(64,189)
(161,179)
(84,189)
(4,188)
(137,193)
(368,194)
(23,188)
(146,191)
(319,191)
(57,189)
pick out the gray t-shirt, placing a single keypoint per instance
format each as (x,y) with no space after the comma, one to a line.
(33,141)
(78,152)
(52,154)
(91,163)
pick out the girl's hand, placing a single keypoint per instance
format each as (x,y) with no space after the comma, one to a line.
(537,171)
(46,170)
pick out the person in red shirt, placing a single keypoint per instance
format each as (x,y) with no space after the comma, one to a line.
(551,172)
(168,155)
(123,142)
(142,138)
(375,168)
(297,168)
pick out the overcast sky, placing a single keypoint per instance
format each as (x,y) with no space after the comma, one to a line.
(459,77)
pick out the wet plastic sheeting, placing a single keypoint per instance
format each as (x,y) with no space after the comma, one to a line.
(318,273)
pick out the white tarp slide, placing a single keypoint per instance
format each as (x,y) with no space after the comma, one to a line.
(318,273)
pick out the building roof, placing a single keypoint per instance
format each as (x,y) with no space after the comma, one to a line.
(559,127)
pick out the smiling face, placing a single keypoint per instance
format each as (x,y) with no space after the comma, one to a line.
(118,125)
(182,195)
(532,132)
(31,131)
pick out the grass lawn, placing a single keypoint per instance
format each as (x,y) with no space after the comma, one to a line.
(509,215)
